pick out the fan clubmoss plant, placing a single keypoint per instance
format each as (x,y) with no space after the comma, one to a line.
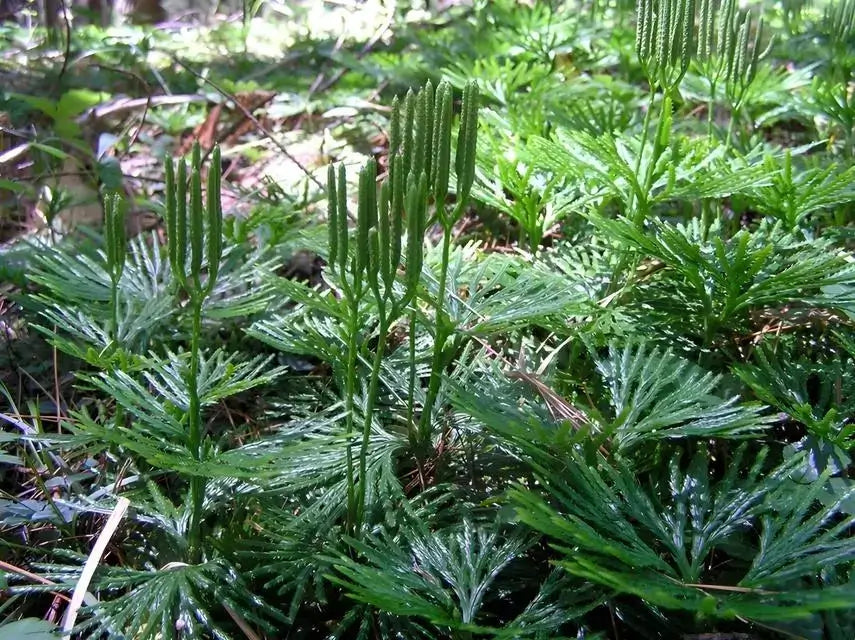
(741,54)
(371,271)
(194,231)
(366,270)
(465,172)
(665,41)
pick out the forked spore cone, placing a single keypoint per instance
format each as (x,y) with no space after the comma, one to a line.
(199,221)
(419,172)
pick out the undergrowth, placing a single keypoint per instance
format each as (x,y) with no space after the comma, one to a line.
(577,362)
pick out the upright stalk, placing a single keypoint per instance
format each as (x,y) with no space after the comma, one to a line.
(197,483)
(411,386)
(645,133)
(114,304)
(706,218)
(665,44)
(711,111)
(349,392)
(730,128)
(115,245)
(438,344)
(640,214)
(370,268)
(465,170)
(114,240)
(373,387)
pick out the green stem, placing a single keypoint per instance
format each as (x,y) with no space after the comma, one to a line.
(349,392)
(197,483)
(711,111)
(373,385)
(657,152)
(438,344)
(114,303)
(645,132)
(730,128)
(411,388)
(638,217)
(706,217)
(119,418)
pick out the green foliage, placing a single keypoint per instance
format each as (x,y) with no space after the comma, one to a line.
(720,281)
(796,194)
(177,597)
(27,629)
(836,103)
(656,395)
(654,540)
(65,110)
(440,576)
(837,27)
(786,387)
